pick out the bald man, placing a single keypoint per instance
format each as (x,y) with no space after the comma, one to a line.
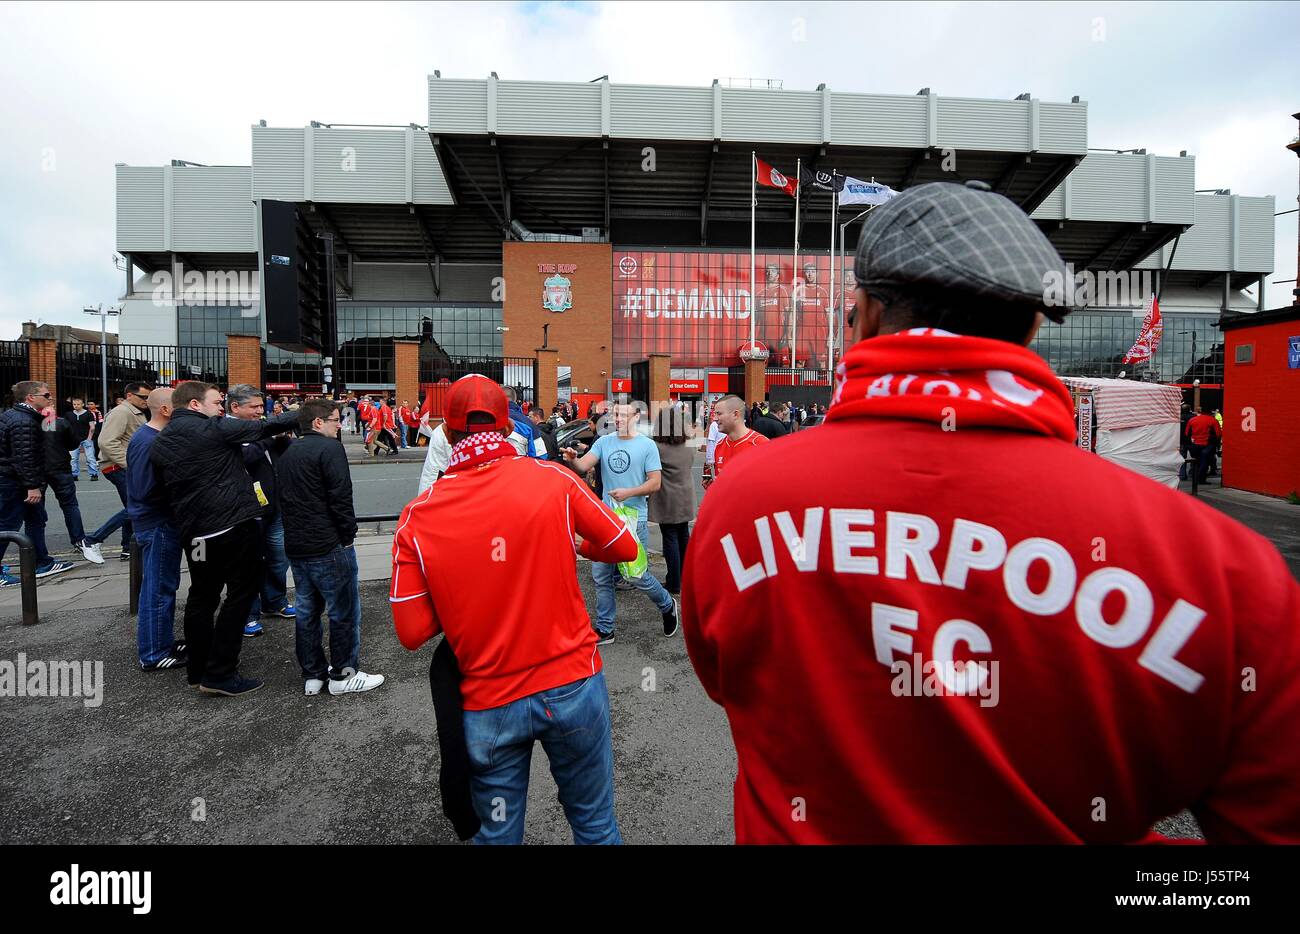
(159,543)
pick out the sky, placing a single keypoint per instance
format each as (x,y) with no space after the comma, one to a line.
(90,85)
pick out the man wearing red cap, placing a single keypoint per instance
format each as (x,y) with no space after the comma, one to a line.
(487,556)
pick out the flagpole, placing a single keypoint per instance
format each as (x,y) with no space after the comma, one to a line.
(794,284)
(753,206)
(830,339)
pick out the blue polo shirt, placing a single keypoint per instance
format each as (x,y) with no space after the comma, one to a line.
(624,464)
(146,501)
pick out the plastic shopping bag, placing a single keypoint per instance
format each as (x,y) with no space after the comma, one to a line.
(631,570)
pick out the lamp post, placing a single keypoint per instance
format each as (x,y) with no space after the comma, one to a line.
(104,314)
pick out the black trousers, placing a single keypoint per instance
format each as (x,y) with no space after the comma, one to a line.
(677,537)
(233,562)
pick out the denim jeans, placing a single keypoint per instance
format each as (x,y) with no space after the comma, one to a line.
(120,519)
(88,447)
(677,536)
(605,574)
(572,723)
(328,583)
(65,490)
(274,583)
(160,560)
(16,513)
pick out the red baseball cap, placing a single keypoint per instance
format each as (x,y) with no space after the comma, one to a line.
(476,393)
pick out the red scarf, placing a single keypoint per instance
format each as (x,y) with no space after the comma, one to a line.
(479,449)
(932,375)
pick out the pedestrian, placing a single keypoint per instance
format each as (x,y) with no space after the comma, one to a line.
(83,423)
(60,440)
(672,506)
(23,476)
(523,645)
(975,642)
(114,436)
(260,457)
(197,459)
(736,439)
(98,416)
(406,421)
(435,461)
(320,527)
(710,447)
(524,437)
(158,539)
(769,424)
(630,471)
(544,432)
(1203,435)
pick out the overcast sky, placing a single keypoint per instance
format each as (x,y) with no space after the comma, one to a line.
(90,85)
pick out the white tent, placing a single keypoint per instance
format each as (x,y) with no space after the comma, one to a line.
(1136,424)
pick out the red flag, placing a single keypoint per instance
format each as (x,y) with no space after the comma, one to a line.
(1148,340)
(773,179)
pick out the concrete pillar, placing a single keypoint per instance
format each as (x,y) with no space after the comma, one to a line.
(547,390)
(43,367)
(755,381)
(243,360)
(660,370)
(406,371)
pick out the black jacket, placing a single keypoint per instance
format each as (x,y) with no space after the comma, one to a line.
(199,463)
(315,497)
(546,431)
(769,427)
(260,458)
(22,446)
(60,441)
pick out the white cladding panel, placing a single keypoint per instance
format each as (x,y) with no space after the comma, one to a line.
(430,186)
(878,120)
(642,111)
(547,108)
(771,116)
(359,166)
(278,163)
(213,210)
(1175,184)
(1206,246)
(993,126)
(1109,187)
(1062,128)
(457,106)
(139,208)
(1255,234)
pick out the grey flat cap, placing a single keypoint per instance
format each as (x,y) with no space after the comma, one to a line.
(961,237)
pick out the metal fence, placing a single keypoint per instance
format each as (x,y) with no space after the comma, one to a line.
(14,368)
(81,370)
(787,376)
(437,374)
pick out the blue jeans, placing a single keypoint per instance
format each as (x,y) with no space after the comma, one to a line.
(401,435)
(65,490)
(160,560)
(274,584)
(677,537)
(328,583)
(605,574)
(572,723)
(120,519)
(16,513)
(89,447)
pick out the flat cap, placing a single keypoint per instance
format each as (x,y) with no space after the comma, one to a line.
(961,237)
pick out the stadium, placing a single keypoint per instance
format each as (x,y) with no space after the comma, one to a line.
(596,237)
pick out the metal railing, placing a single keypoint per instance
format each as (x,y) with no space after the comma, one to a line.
(14,368)
(80,368)
(26,573)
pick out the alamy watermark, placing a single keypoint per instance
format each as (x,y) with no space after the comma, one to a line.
(36,678)
(1106,289)
(234,288)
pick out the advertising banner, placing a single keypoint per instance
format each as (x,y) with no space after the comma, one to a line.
(696,305)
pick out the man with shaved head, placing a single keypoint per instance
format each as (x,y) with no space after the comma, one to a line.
(158,541)
(737,437)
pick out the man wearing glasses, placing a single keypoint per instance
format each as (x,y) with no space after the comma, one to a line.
(119,426)
(23,475)
(319,527)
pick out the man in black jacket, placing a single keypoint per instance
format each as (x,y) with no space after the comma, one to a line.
(198,460)
(546,431)
(23,475)
(319,527)
(768,426)
(60,442)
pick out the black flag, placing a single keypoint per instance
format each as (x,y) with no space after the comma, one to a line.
(820,178)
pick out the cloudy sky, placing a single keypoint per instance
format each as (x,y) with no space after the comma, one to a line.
(90,85)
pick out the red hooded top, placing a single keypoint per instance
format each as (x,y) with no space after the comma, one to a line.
(1137,651)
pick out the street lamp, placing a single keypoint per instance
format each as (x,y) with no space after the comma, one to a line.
(104,314)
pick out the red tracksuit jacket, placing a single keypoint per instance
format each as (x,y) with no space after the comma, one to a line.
(1157,668)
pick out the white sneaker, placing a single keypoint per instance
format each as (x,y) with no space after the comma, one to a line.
(92,553)
(312,686)
(356,684)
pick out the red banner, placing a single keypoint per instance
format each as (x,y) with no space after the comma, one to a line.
(695,306)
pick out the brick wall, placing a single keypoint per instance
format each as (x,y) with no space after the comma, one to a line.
(406,372)
(547,378)
(582,336)
(755,381)
(244,354)
(42,365)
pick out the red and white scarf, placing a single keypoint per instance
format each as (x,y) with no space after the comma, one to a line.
(927,374)
(479,449)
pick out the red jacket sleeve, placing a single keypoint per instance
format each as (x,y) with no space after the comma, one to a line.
(605,537)
(700,646)
(414,616)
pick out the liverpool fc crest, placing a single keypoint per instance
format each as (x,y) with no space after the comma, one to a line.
(557,294)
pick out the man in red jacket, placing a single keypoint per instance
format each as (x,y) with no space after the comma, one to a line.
(487,555)
(962,628)
(1203,434)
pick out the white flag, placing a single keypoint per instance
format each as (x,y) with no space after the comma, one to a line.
(857,191)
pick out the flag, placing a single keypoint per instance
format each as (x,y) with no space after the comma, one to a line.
(1148,340)
(820,178)
(773,179)
(856,191)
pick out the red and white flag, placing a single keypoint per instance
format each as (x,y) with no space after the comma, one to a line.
(773,179)
(1148,340)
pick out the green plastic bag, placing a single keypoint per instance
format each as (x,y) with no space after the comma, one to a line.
(631,570)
